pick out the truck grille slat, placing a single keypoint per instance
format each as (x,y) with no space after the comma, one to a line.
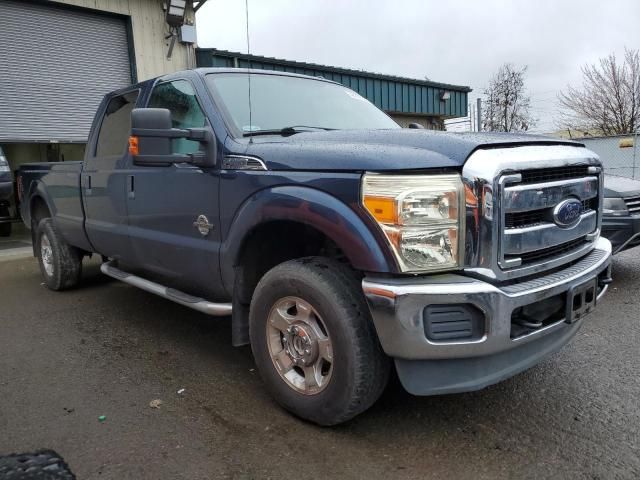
(536,175)
(633,204)
(537,255)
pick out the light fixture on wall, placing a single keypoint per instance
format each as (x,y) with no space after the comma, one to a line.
(444,96)
(176,10)
(179,25)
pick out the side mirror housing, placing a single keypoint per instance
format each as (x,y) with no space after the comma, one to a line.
(152,135)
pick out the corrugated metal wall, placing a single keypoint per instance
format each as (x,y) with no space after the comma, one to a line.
(149,30)
(56,65)
(391,95)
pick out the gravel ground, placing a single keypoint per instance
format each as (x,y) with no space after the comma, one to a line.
(109,349)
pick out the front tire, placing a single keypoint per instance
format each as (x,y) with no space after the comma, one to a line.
(60,263)
(314,342)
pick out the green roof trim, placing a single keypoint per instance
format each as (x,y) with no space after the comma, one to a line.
(390,93)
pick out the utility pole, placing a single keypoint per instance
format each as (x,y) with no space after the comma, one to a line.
(635,146)
(479,114)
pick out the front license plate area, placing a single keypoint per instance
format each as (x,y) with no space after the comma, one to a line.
(581,300)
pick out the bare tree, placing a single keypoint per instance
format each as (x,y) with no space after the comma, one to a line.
(507,105)
(609,101)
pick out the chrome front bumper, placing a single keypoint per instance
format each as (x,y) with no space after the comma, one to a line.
(397,306)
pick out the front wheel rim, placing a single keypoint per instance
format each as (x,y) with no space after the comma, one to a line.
(46,254)
(299,345)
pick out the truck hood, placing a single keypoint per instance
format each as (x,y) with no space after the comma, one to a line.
(615,186)
(378,150)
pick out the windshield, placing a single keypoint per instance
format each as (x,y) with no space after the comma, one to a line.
(279,102)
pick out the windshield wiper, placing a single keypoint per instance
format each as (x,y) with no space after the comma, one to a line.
(286,131)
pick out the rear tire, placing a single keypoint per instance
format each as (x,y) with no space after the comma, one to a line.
(60,263)
(314,342)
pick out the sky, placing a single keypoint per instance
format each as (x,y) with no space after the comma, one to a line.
(457,42)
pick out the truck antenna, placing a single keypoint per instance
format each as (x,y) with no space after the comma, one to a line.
(246,5)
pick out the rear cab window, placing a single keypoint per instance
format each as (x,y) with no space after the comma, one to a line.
(115,126)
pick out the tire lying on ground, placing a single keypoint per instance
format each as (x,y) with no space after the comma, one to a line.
(60,263)
(314,342)
(40,465)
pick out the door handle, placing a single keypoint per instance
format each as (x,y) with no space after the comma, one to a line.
(131,192)
(87,184)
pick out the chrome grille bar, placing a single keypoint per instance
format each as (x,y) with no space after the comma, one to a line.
(523,198)
(528,239)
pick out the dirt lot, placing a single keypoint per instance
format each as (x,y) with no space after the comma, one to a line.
(109,349)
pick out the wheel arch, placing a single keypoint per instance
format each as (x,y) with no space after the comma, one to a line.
(315,209)
(38,210)
(285,223)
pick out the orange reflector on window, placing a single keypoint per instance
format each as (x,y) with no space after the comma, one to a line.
(133,145)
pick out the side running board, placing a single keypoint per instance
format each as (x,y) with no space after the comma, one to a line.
(200,304)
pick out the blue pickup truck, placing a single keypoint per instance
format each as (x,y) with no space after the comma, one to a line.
(340,245)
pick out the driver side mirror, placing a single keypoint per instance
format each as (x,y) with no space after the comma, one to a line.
(152,135)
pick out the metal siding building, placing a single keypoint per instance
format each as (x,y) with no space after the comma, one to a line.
(405,99)
(45,96)
(60,57)
(147,30)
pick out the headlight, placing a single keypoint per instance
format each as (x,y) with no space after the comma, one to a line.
(421,217)
(614,206)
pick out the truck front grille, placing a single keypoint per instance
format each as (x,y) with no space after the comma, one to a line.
(517,223)
(530,235)
(633,204)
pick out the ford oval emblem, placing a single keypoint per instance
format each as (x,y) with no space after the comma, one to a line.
(567,212)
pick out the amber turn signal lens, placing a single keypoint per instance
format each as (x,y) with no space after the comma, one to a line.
(133,145)
(383,209)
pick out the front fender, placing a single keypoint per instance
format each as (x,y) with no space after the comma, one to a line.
(312,207)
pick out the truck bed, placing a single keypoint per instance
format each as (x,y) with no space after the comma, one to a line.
(59,185)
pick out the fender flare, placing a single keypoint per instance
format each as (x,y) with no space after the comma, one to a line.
(37,189)
(322,211)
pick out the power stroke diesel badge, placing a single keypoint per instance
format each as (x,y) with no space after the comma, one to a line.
(203,225)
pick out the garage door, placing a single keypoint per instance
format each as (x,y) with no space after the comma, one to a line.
(55,66)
